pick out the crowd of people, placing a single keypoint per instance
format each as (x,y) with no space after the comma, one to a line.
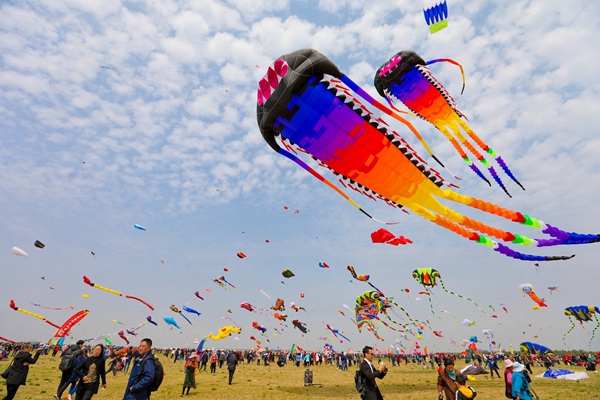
(83,368)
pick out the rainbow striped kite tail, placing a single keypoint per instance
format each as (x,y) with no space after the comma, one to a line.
(507,251)
(498,180)
(507,171)
(564,237)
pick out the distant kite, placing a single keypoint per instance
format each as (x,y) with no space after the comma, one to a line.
(39,244)
(384,236)
(241,255)
(527,289)
(287,273)
(87,281)
(436,17)
(139,227)
(18,252)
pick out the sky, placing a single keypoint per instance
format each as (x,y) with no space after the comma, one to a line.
(143,112)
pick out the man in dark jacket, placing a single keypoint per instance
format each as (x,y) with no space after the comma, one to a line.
(142,374)
(370,372)
(232,360)
(204,360)
(20,369)
(71,354)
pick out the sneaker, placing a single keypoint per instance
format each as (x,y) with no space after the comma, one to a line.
(68,397)
(57,397)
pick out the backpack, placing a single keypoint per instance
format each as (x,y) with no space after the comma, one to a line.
(68,359)
(159,374)
(359,383)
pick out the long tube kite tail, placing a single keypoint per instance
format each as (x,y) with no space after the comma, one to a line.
(462,297)
(569,331)
(595,329)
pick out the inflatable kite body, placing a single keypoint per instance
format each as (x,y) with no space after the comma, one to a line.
(306,101)
(281,317)
(224,332)
(428,278)
(299,325)
(527,288)
(279,305)
(149,319)
(407,78)
(70,323)
(178,311)
(582,314)
(436,17)
(14,307)
(18,252)
(534,348)
(261,328)
(172,322)
(336,332)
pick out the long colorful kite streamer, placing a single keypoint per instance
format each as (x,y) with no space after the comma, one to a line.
(95,285)
(14,307)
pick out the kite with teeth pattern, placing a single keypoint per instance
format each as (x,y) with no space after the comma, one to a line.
(312,105)
(406,77)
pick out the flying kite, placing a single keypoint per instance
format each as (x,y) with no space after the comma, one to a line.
(306,101)
(362,278)
(18,252)
(384,236)
(299,325)
(39,244)
(279,305)
(190,310)
(139,227)
(258,342)
(122,336)
(70,323)
(488,333)
(582,314)
(256,326)
(95,285)
(323,264)
(336,332)
(247,306)
(527,289)
(220,283)
(14,307)
(467,322)
(534,348)
(224,332)
(406,77)
(436,17)
(368,307)
(149,319)
(171,321)
(178,311)
(280,317)
(241,255)
(222,278)
(428,278)
(438,333)
(287,273)
(553,289)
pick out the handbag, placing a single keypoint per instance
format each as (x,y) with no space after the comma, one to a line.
(7,370)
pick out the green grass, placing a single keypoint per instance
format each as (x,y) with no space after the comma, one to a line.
(271,382)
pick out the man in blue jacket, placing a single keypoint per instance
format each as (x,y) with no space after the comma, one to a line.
(142,374)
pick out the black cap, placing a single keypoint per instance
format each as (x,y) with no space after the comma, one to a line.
(80,342)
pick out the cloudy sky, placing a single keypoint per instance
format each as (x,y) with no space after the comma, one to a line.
(118,113)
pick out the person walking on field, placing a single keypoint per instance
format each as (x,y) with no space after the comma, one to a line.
(189,381)
(446,384)
(213,363)
(232,360)
(520,386)
(508,372)
(142,374)
(371,373)
(20,369)
(67,365)
(91,371)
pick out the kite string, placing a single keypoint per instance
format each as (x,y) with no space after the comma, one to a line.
(590,272)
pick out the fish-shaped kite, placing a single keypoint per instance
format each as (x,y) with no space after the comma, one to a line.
(527,288)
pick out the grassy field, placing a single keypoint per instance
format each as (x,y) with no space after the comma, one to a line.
(271,382)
